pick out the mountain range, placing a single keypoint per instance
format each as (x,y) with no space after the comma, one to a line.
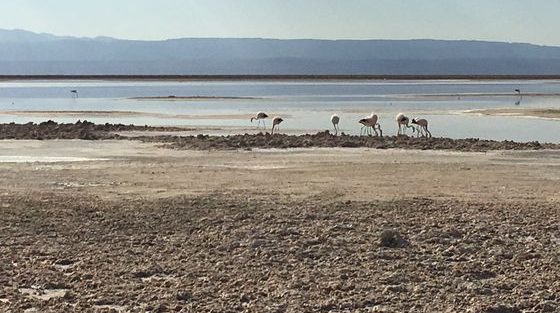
(27,53)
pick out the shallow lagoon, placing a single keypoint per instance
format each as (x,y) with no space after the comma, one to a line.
(306,105)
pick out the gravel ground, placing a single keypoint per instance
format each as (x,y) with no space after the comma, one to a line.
(227,253)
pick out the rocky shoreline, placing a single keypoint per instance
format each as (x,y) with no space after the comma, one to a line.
(327,140)
(80,130)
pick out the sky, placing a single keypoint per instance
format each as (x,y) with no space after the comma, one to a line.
(532,21)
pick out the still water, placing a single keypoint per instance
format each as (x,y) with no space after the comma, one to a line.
(305,105)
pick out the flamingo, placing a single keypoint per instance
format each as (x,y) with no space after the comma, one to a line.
(520,96)
(260,116)
(276,123)
(371,122)
(402,123)
(423,127)
(334,120)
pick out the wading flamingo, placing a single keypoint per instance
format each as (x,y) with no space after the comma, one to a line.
(334,120)
(370,122)
(402,123)
(519,95)
(261,116)
(422,127)
(276,123)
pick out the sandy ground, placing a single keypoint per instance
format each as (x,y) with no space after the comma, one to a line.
(525,112)
(133,168)
(183,98)
(130,227)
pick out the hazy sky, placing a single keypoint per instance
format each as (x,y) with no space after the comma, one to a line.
(534,21)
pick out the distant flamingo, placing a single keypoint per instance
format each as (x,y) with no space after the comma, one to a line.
(520,96)
(370,122)
(334,120)
(276,123)
(402,123)
(423,127)
(261,116)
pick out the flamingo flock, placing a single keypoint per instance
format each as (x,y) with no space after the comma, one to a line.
(370,124)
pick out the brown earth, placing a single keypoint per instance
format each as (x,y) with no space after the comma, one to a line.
(226,253)
(139,228)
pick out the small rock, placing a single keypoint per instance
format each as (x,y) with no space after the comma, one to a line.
(184,296)
(392,239)
(394,288)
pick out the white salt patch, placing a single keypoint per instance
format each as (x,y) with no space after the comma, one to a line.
(158,278)
(250,167)
(46,294)
(42,159)
(118,308)
(64,267)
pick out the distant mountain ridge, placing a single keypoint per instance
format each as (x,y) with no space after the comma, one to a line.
(20,35)
(27,53)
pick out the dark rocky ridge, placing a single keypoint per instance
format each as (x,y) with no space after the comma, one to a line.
(327,140)
(79,130)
